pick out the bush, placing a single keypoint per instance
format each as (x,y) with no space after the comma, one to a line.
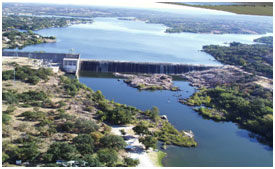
(148,141)
(7,75)
(107,156)
(10,97)
(61,151)
(113,141)
(141,129)
(84,144)
(33,80)
(85,126)
(129,162)
(91,160)
(6,118)
(28,152)
(34,115)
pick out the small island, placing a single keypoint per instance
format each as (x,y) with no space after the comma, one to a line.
(149,82)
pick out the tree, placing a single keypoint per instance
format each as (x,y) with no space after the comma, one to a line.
(33,80)
(112,141)
(28,152)
(84,143)
(107,156)
(91,160)
(85,126)
(148,141)
(129,162)
(154,113)
(96,135)
(98,95)
(141,129)
(61,151)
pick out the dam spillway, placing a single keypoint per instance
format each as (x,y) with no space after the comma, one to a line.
(138,67)
(108,65)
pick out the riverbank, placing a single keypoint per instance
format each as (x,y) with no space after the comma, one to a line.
(147,158)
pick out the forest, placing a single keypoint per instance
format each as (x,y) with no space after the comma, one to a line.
(255,58)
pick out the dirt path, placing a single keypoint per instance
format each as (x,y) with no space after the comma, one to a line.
(138,152)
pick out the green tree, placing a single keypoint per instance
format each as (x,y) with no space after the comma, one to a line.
(84,143)
(129,162)
(141,129)
(107,156)
(148,141)
(85,126)
(28,152)
(92,160)
(61,151)
(113,141)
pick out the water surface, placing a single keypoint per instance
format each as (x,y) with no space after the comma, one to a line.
(220,143)
(113,39)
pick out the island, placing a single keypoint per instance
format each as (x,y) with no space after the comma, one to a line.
(149,81)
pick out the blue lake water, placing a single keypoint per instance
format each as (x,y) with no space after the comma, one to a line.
(220,143)
(113,39)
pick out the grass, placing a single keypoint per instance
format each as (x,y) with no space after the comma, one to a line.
(249,9)
(157,157)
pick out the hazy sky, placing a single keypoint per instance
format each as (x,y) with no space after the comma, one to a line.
(127,3)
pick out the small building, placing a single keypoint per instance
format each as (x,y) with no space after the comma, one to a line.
(70,65)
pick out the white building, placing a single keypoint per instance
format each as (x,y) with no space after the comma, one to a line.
(70,65)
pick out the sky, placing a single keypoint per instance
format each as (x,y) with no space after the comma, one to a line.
(123,3)
(144,4)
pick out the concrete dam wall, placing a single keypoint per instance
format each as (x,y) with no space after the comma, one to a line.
(53,57)
(138,67)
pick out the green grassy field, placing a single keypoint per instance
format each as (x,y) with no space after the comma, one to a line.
(265,9)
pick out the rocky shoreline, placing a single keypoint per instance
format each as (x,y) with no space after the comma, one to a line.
(149,82)
(225,75)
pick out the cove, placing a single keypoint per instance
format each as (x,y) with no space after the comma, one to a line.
(220,143)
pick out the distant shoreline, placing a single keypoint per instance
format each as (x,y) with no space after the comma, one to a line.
(261,9)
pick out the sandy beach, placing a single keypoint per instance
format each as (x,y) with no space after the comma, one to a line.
(139,151)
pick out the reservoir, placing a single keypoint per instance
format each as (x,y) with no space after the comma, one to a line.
(114,39)
(219,143)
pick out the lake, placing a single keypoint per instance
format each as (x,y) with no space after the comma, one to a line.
(113,39)
(219,143)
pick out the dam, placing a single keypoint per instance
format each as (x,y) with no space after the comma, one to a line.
(138,67)
(72,63)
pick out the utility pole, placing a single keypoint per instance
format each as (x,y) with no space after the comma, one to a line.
(14,76)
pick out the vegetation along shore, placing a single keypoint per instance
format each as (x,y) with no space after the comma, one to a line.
(242,93)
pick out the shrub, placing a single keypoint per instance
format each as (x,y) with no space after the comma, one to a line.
(113,141)
(85,126)
(84,143)
(29,151)
(91,160)
(129,162)
(61,151)
(6,118)
(107,156)
(7,75)
(148,141)
(141,129)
